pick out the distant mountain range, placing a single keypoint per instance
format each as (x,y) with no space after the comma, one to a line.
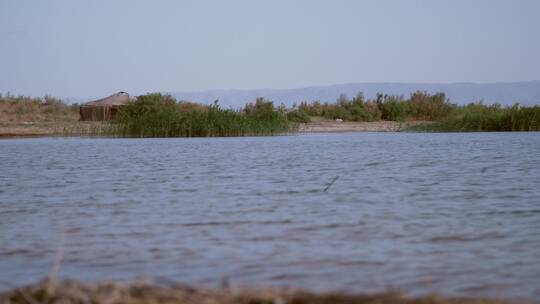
(526,93)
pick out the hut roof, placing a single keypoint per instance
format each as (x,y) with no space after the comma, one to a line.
(120,98)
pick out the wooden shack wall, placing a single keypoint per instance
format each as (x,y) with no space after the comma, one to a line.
(98,113)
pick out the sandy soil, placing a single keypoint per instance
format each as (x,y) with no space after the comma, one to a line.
(30,129)
(45,129)
(336,127)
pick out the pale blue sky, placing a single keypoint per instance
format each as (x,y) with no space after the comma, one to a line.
(93,48)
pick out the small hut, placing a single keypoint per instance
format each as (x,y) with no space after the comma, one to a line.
(104,109)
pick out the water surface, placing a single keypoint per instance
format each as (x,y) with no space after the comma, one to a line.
(457,214)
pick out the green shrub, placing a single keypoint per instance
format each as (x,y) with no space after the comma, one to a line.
(394,108)
(156,115)
(372,110)
(336,112)
(424,106)
(312,109)
(298,116)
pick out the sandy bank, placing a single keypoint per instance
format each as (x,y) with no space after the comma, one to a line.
(336,127)
(134,293)
(47,129)
(30,129)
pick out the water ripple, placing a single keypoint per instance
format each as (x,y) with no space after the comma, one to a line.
(456,214)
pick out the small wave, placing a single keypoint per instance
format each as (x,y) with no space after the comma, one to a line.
(466,238)
(185,190)
(323,227)
(15,252)
(22,210)
(360,263)
(531,211)
(223,223)
(288,192)
(25,252)
(288,276)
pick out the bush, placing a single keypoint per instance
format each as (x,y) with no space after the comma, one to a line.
(393,108)
(156,115)
(372,111)
(312,109)
(298,116)
(336,112)
(424,106)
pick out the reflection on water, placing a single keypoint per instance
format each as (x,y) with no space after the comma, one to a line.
(457,214)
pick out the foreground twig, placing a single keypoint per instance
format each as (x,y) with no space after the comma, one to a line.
(71,292)
(331,183)
(51,278)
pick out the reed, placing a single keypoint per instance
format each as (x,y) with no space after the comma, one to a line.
(157,115)
(482,118)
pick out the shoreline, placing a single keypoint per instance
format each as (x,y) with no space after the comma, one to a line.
(49,129)
(348,126)
(139,292)
(56,129)
(31,129)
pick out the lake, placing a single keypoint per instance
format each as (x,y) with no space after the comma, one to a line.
(456,213)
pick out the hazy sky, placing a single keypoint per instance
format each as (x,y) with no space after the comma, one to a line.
(92,48)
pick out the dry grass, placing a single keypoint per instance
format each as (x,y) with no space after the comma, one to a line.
(23,109)
(141,292)
(25,116)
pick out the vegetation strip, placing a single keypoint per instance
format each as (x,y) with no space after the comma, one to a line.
(157,115)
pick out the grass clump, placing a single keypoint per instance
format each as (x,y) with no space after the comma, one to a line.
(157,115)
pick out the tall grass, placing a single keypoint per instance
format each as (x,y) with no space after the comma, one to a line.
(478,117)
(157,115)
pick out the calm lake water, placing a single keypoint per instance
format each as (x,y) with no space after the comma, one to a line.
(457,214)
